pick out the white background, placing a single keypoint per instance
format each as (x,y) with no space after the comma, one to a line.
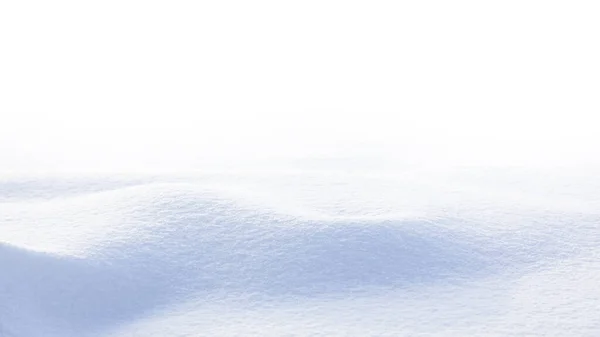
(127,85)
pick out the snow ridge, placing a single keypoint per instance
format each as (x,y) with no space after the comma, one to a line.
(104,259)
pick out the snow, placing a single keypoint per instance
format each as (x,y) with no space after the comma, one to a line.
(453,252)
(299,168)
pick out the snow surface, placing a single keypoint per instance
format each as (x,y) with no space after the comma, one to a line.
(471,251)
(368,168)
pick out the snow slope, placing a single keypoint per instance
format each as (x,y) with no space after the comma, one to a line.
(411,252)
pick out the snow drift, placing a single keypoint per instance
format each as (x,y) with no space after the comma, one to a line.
(131,256)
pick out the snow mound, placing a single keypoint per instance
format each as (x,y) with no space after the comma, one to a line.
(99,260)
